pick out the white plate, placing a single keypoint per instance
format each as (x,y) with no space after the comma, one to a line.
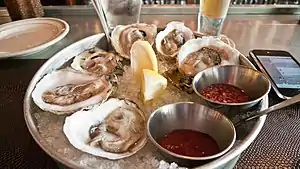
(28,36)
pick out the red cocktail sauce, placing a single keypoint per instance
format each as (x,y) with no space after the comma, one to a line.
(190,143)
(225,93)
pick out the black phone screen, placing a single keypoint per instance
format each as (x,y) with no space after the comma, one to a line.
(284,70)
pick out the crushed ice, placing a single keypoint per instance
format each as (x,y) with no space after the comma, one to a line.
(165,165)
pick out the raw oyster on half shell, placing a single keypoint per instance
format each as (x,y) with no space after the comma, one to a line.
(98,62)
(123,36)
(198,54)
(65,91)
(169,41)
(113,130)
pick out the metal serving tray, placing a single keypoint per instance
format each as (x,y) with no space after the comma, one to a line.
(46,128)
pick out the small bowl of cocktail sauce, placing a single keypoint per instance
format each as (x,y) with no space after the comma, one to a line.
(231,86)
(190,134)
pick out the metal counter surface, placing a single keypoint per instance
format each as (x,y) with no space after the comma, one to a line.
(281,32)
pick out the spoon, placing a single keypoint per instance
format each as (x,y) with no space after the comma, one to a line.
(256,114)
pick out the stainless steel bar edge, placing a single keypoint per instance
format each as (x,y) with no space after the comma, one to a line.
(86,10)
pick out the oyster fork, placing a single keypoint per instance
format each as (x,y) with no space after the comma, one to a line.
(99,10)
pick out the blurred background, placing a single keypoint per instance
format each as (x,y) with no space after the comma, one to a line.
(234,2)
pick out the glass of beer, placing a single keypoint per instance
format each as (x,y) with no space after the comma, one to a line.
(212,14)
(121,12)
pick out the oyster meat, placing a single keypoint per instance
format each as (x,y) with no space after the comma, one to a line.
(99,62)
(198,54)
(123,36)
(124,122)
(113,130)
(169,41)
(65,91)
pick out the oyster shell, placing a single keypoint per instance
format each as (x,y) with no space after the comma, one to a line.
(98,62)
(113,130)
(123,36)
(169,41)
(65,91)
(198,54)
(223,38)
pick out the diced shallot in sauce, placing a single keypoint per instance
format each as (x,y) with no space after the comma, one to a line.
(225,93)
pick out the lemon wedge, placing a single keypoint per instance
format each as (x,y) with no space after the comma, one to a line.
(152,84)
(142,56)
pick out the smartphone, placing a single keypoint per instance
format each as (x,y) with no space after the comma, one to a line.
(282,69)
